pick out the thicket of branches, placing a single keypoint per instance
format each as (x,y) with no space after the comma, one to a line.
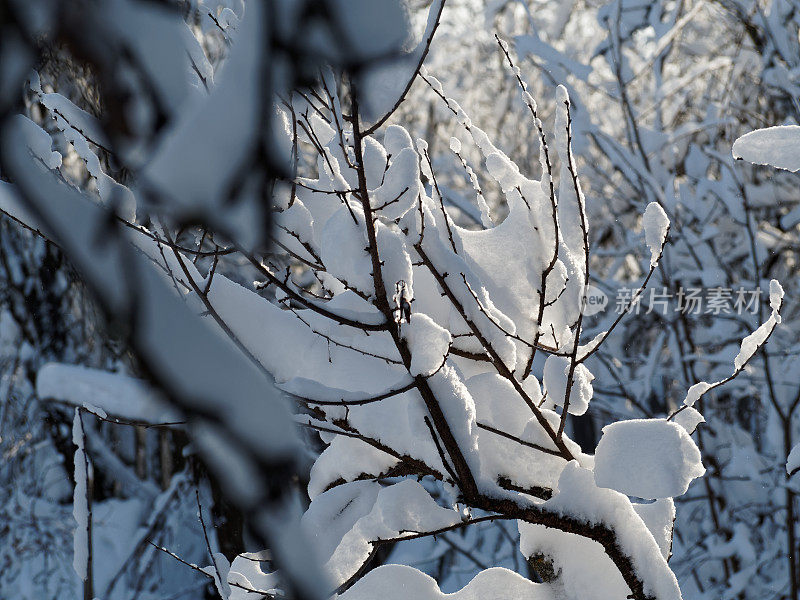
(257,264)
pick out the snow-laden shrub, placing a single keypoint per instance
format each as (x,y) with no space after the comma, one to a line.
(438,364)
(415,358)
(653,85)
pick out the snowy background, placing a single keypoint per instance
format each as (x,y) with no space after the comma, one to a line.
(297,299)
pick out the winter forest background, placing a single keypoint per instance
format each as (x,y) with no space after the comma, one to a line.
(389,299)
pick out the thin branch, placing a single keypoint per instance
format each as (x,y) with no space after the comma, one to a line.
(518,440)
(372,129)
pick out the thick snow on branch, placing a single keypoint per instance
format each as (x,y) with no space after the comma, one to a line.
(556,369)
(117,395)
(749,346)
(429,344)
(249,417)
(793,460)
(398,582)
(656,225)
(659,517)
(246,575)
(396,511)
(347,459)
(80,501)
(647,458)
(587,571)
(774,146)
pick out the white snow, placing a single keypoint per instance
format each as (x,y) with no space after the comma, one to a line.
(399,582)
(398,510)
(80,501)
(583,568)
(245,571)
(336,365)
(689,418)
(659,516)
(647,458)
(775,295)
(656,225)
(695,392)
(219,570)
(556,370)
(396,139)
(775,146)
(793,460)
(458,407)
(428,343)
(755,340)
(397,422)
(78,127)
(375,159)
(38,141)
(342,244)
(587,570)
(333,513)
(115,394)
(749,346)
(392,195)
(498,405)
(393,250)
(346,458)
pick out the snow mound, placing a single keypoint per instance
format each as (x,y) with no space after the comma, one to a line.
(648,458)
